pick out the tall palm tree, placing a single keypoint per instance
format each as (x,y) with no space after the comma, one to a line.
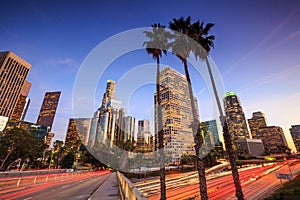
(157,46)
(200,34)
(181,47)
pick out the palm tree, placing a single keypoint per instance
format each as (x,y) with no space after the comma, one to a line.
(182,47)
(200,34)
(156,46)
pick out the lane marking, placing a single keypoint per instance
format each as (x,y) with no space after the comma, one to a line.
(28,198)
(65,186)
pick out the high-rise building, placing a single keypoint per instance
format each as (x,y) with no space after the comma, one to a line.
(272,138)
(256,122)
(235,117)
(213,129)
(48,109)
(109,93)
(3,121)
(27,103)
(144,137)
(78,132)
(13,73)
(21,106)
(295,133)
(176,115)
(49,139)
(253,147)
(129,123)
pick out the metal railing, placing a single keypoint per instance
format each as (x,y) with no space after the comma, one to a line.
(128,189)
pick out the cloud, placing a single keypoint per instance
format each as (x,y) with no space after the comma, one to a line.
(268,79)
(67,61)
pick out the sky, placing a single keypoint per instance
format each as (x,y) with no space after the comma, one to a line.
(256,51)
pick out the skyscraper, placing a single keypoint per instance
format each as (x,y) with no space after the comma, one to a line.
(20,108)
(129,123)
(256,122)
(109,93)
(295,133)
(235,117)
(272,137)
(48,109)
(78,132)
(213,129)
(176,115)
(144,137)
(13,73)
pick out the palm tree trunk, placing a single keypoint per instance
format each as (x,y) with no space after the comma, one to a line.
(227,138)
(198,140)
(232,159)
(162,172)
(214,87)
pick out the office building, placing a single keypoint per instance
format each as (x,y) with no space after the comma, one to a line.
(48,109)
(13,73)
(213,130)
(252,147)
(176,115)
(129,123)
(235,117)
(144,137)
(257,121)
(3,121)
(22,103)
(109,93)
(77,132)
(39,131)
(295,133)
(49,139)
(272,138)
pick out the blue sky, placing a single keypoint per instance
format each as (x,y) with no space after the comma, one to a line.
(256,50)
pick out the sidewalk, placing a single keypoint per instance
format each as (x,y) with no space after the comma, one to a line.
(109,190)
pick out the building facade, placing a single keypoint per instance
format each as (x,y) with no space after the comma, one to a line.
(253,147)
(295,133)
(176,115)
(144,137)
(48,109)
(257,121)
(235,117)
(22,103)
(213,130)
(273,138)
(13,73)
(129,128)
(78,132)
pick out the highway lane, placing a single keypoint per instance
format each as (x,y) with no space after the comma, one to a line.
(76,190)
(259,179)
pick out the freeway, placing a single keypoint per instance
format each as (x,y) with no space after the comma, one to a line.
(91,186)
(257,182)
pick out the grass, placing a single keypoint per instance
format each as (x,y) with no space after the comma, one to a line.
(289,191)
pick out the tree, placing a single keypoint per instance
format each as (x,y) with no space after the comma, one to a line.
(182,47)
(156,46)
(19,144)
(200,34)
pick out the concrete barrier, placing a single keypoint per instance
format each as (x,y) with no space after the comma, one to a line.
(128,189)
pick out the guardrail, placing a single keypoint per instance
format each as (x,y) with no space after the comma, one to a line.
(128,189)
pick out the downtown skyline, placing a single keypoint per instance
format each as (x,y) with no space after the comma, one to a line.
(255,50)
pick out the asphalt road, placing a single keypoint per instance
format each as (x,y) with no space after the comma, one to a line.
(81,189)
(255,183)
